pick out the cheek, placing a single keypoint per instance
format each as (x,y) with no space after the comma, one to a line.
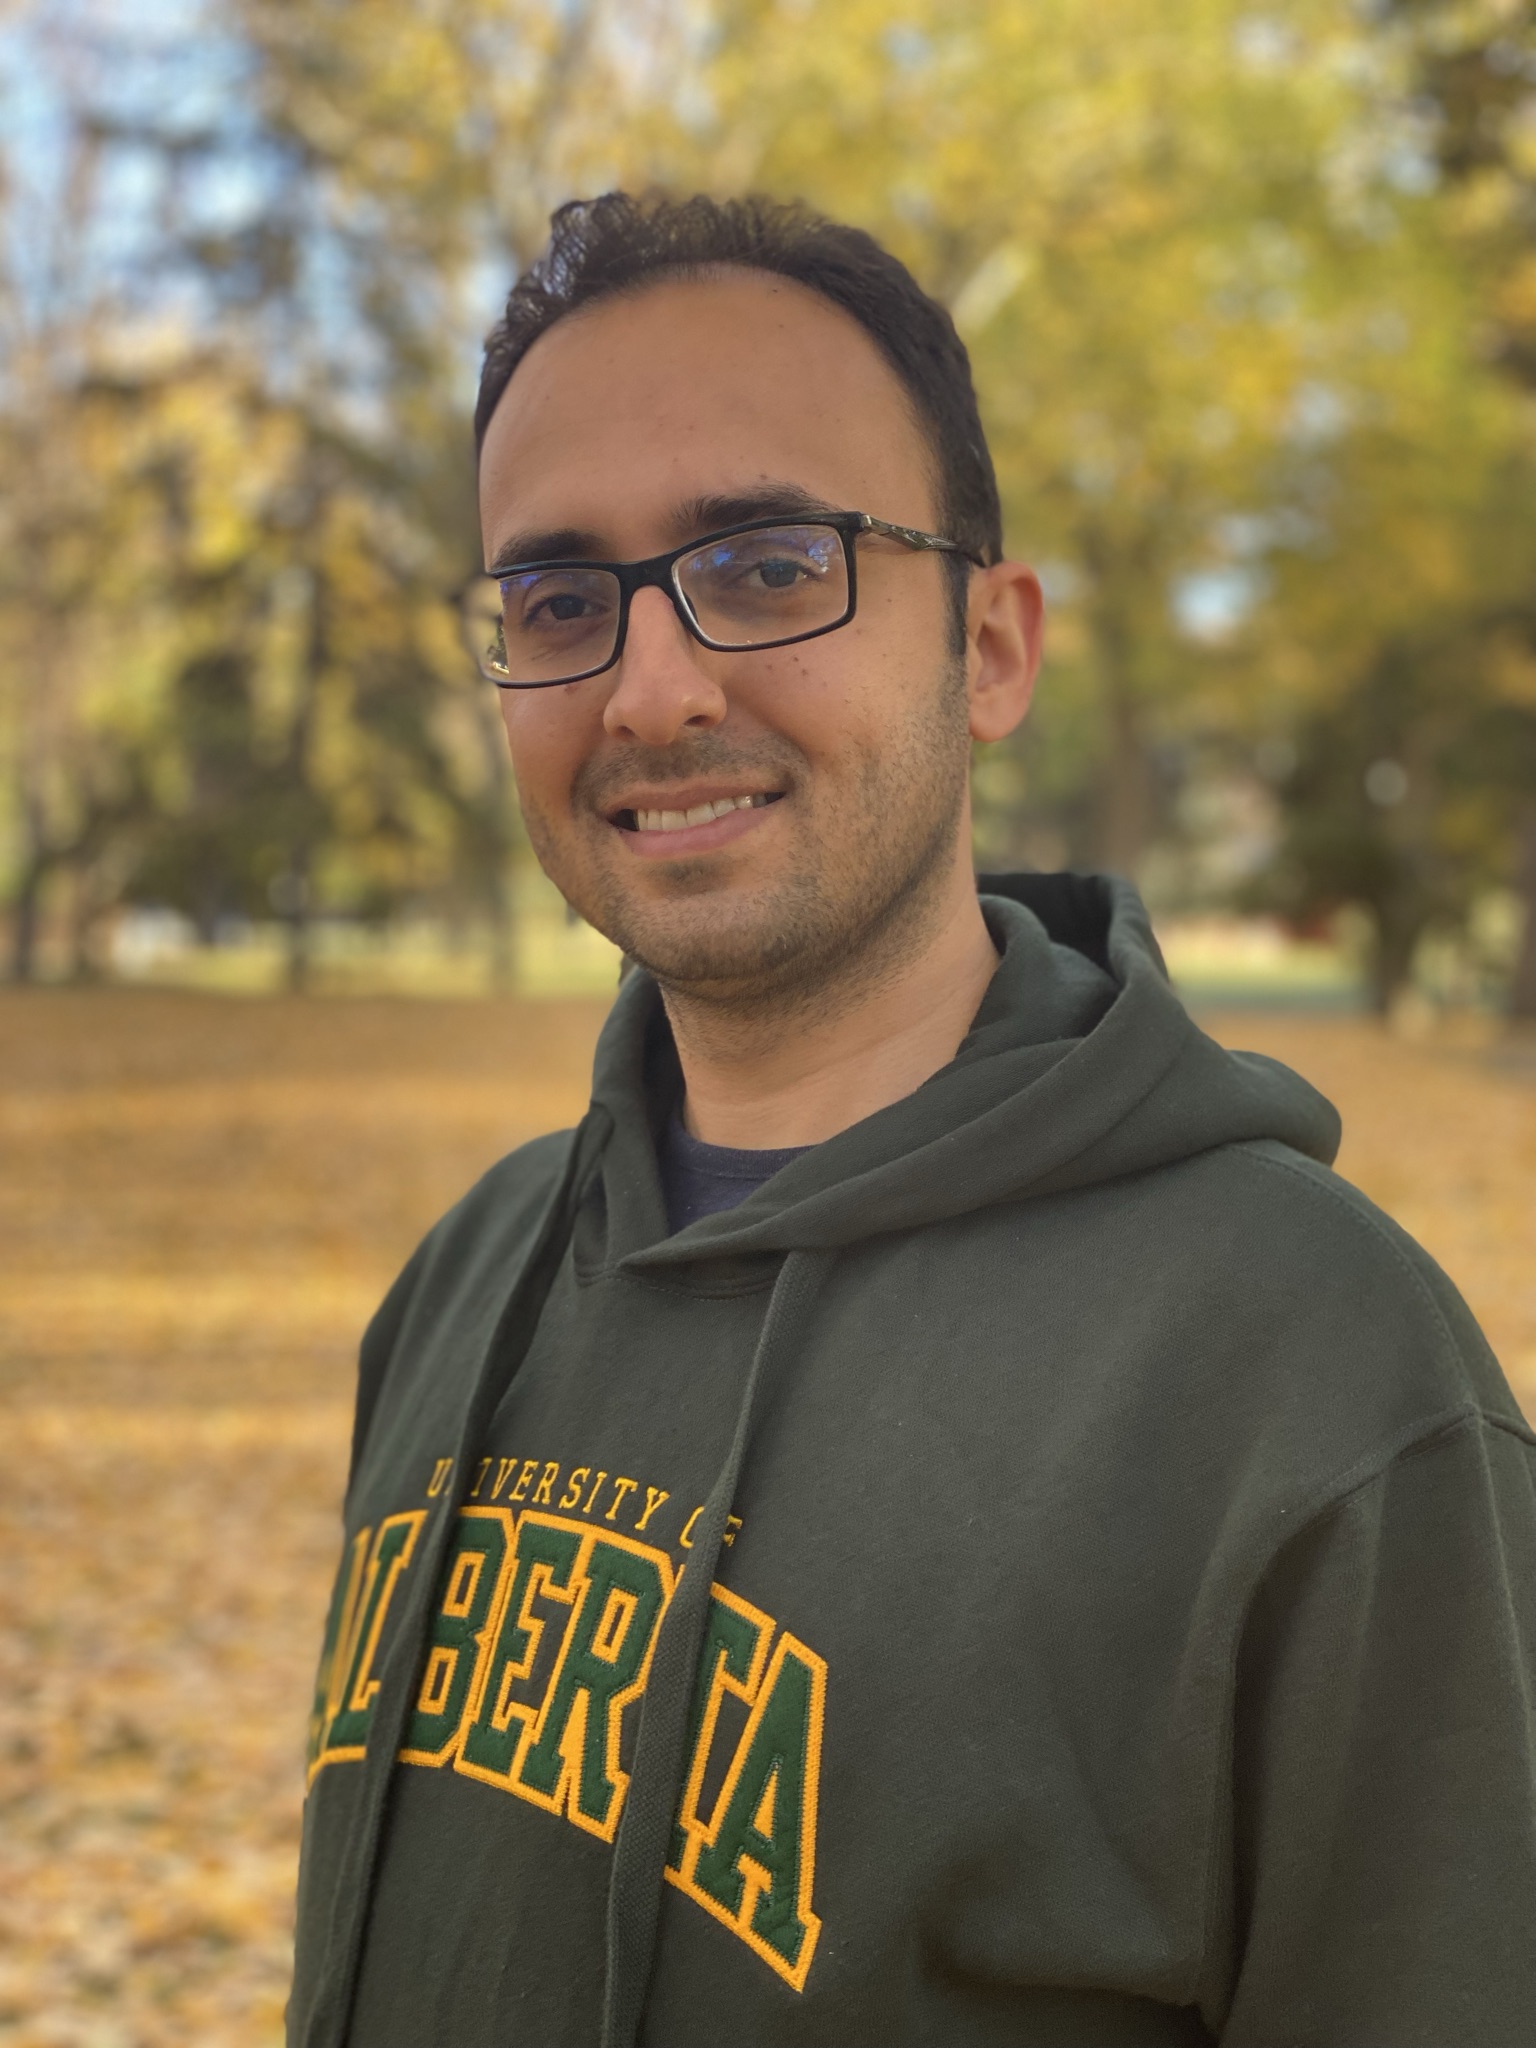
(840,697)
(867,687)
(545,739)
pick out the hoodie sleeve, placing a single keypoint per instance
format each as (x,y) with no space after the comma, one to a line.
(1385,1762)
(377,1348)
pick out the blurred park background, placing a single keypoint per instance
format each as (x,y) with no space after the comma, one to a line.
(1251,296)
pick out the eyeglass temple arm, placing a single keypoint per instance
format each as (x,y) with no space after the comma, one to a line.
(914,537)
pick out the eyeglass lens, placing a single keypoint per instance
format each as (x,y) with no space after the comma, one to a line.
(745,590)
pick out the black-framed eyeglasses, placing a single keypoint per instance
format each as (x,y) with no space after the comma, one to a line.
(766,583)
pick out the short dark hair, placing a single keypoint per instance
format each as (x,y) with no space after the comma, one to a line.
(619,243)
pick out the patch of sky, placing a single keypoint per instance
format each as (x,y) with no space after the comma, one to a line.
(1408,165)
(908,47)
(1095,471)
(1209,605)
(911,201)
(159,84)
(1507,59)
(647,53)
(694,105)
(1388,331)
(36,129)
(482,294)
(989,287)
(1318,414)
(1263,42)
(223,194)
(1062,581)
(1248,536)
(166,64)
(1244,534)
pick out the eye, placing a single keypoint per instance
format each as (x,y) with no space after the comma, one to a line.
(564,605)
(540,602)
(778,573)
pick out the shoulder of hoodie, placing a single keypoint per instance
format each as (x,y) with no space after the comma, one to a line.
(1365,1299)
(472,1241)
(460,1266)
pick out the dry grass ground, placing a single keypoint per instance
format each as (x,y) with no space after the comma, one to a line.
(201,1201)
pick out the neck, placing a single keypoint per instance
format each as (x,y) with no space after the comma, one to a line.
(760,1078)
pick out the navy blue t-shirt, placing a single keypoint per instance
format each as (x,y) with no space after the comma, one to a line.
(701,1180)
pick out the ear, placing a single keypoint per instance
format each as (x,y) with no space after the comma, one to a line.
(1005,618)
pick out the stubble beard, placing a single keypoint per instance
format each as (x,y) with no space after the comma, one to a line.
(850,909)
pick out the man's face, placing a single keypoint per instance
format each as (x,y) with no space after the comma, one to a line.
(639,424)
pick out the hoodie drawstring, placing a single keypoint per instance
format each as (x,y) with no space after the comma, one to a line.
(330,2015)
(645,1829)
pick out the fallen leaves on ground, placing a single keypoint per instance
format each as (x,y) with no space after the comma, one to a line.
(203,1201)
(152,1671)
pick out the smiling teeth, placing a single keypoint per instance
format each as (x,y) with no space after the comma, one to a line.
(700,814)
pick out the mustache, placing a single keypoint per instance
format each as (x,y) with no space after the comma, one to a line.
(600,782)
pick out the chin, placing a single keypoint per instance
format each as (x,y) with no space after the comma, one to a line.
(708,960)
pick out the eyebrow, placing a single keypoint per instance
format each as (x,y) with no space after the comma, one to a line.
(713,512)
(554,544)
(717,509)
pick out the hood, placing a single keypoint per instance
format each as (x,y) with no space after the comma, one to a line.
(1081,1066)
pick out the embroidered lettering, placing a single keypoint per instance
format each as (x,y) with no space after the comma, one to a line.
(545,1554)
(461,1633)
(754,1865)
(736,1639)
(654,1496)
(542,1639)
(622,1487)
(346,1734)
(573,1764)
(338,1630)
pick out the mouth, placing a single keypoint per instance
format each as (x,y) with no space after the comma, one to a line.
(645,818)
(662,831)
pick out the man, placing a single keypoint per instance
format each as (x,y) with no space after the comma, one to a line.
(933,1516)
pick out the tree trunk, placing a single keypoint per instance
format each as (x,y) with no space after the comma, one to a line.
(301,855)
(299,931)
(503,930)
(25,905)
(1123,807)
(1395,941)
(1522,989)
(1124,798)
(84,917)
(499,841)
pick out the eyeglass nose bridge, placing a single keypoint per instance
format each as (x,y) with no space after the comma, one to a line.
(659,573)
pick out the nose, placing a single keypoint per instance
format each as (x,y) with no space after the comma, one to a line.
(661,691)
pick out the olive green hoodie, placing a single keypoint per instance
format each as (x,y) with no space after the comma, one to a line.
(1053,1565)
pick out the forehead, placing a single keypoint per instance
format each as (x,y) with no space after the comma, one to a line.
(697,387)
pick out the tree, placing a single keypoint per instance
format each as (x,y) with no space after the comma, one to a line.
(1475,68)
(1135,219)
(234,682)
(1404,598)
(1235,365)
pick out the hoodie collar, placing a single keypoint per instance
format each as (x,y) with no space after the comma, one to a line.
(1081,1065)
